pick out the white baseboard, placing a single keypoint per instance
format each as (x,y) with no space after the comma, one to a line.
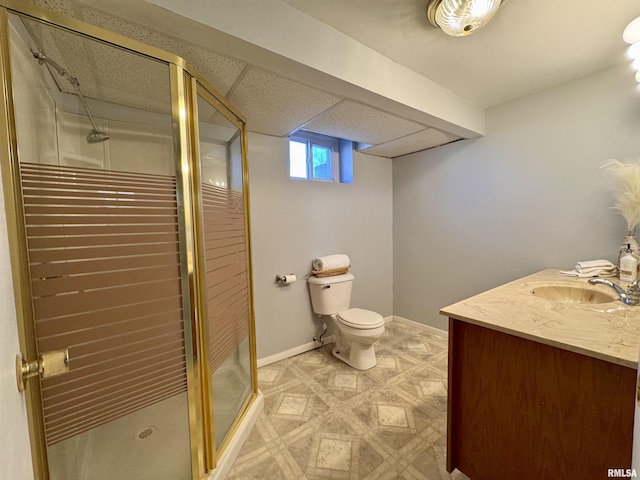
(292,352)
(422,326)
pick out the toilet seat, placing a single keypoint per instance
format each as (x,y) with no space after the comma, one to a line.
(360,319)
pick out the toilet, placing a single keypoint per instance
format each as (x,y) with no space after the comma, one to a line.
(356,329)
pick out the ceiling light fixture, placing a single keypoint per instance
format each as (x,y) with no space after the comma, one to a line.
(631,35)
(461,17)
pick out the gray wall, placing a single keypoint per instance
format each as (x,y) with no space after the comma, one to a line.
(528,195)
(293,221)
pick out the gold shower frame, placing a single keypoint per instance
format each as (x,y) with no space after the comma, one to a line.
(185,85)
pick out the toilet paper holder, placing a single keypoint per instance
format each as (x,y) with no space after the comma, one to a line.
(286,279)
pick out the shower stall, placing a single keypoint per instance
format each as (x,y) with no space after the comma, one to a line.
(126,197)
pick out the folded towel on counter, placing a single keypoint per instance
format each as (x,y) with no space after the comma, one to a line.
(330,262)
(590,264)
(594,273)
(592,268)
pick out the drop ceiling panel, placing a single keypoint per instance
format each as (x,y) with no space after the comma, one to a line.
(219,70)
(361,123)
(428,138)
(104,72)
(275,105)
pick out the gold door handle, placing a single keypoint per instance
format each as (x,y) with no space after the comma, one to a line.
(49,364)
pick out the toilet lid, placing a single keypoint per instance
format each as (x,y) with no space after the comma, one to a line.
(359,318)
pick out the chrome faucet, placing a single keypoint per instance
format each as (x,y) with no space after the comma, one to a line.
(630,296)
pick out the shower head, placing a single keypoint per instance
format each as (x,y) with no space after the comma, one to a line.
(96,136)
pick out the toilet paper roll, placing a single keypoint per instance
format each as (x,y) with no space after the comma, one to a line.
(291,278)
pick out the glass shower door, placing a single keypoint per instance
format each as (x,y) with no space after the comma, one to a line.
(226,264)
(106,254)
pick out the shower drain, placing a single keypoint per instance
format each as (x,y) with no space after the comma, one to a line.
(145,433)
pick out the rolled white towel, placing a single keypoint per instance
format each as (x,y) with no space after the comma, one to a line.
(330,262)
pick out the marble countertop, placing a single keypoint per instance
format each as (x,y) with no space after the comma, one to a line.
(608,331)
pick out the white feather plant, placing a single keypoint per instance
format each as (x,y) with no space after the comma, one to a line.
(627,195)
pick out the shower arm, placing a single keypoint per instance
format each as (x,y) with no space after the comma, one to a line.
(43,59)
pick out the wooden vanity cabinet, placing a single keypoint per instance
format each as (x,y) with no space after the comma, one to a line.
(519,409)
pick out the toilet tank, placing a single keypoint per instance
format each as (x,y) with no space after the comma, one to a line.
(330,295)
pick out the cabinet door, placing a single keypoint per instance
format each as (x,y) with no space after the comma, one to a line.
(635,464)
(522,409)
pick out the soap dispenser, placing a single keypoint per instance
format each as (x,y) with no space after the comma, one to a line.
(628,265)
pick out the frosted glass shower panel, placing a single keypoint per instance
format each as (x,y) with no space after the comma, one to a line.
(226,265)
(105,253)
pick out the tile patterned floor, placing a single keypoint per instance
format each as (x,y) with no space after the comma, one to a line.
(324,419)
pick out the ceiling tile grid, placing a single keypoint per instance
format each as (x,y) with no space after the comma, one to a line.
(415,142)
(361,123)
(272,103)
(275,105)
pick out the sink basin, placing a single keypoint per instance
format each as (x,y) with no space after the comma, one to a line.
(572,294)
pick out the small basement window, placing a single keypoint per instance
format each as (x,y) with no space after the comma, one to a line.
(319,157)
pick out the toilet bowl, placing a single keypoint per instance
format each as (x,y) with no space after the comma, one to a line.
(356,332)
(356,329)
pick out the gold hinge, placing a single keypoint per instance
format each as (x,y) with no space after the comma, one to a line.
(49,364)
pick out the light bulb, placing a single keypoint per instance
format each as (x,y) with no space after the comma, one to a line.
(631,34)
(480,8)
(638,77)
(634,51)
(635,65)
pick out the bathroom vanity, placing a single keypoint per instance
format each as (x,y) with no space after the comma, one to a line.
(541,381)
